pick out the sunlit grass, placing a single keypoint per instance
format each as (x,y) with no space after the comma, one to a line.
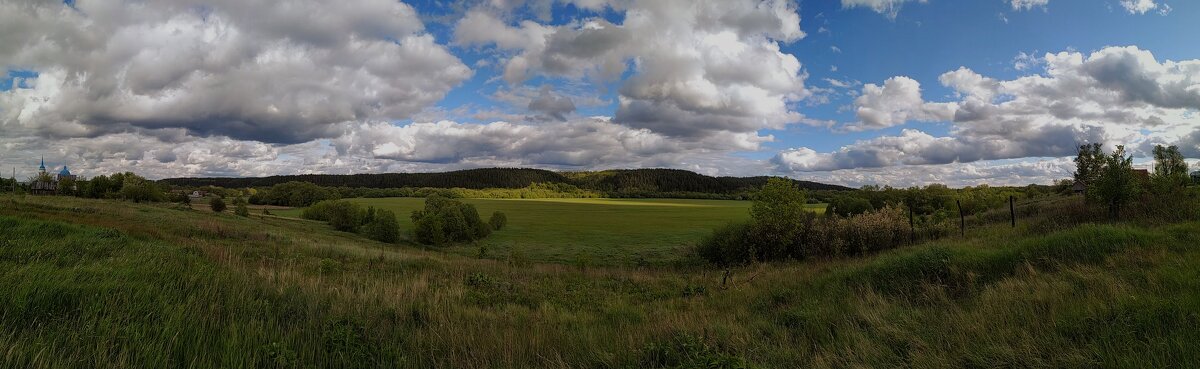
(97,283)
(587,231)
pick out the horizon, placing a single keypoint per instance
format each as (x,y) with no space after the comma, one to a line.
(852,93)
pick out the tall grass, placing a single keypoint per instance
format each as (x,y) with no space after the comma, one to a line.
(93,283)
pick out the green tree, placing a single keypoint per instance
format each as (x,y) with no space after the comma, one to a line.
(498,220)
(1089,163)
(444,220)
(848,205)
(138,189)
(1117,184)
(383,227)
(1170,169)
(217,204)
(779,217)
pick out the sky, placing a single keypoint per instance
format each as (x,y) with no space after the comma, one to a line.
(851,92)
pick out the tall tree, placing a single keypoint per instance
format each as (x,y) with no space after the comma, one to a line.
(1117,184)
(1170,169)
(1089,163)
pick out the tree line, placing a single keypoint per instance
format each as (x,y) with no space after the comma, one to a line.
(441,221)
(612,183)
(873,219)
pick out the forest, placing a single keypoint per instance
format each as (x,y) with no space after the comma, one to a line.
(615,183)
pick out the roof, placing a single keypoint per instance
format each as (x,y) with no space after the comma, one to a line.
(64,171)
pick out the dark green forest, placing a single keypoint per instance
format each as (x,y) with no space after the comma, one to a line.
(617,183)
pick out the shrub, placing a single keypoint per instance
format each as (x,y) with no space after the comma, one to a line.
(138,189)
(444,220)
(498,220)
(728,245)
(217,204)
(740,243)
(239,207)
(180,198)
(383,226)
(848,206)
(876,230)
(779,220)
(342,215)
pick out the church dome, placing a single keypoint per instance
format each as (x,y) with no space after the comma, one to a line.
(64,171)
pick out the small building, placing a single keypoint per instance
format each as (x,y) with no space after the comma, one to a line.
(1143,176)
(198,194)
(1079,188)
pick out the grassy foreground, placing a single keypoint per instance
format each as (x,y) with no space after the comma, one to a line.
(587,231)
(94,283)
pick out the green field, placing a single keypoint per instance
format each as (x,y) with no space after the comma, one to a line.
(104,283)
(588,231)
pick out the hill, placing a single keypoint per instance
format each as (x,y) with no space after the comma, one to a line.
(615,181)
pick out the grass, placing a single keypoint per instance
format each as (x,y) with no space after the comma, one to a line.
(587,231)
(97,283)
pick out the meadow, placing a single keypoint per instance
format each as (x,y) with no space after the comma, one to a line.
(90,283)
(587,231)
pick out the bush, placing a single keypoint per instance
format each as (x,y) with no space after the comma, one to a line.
(779,218)
(848,206)
(383,226)
(138,189)
(444,220)
(498,220)
(728,245)
(342,215)
(217,204)
(239,207)
(740,243)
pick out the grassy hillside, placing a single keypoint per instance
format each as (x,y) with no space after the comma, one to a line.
(592,231)
(95,283)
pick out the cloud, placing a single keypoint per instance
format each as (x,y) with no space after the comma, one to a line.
(1139,6)
(690,78)
(552,105)
(890,8)
(992,172)
(578,143)
(1029,4)
(1117,95)
(241,69)
(896,102)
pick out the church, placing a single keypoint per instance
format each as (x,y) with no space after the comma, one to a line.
(45,184)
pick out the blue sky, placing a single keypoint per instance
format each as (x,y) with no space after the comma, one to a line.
(922,42)
(877,96)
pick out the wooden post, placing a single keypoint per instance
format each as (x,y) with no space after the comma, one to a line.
(962,219)
(1012,211)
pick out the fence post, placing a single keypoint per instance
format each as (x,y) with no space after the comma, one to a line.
(1012,211)
(962,219)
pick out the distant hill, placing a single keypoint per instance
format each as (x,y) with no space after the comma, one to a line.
(620,181)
